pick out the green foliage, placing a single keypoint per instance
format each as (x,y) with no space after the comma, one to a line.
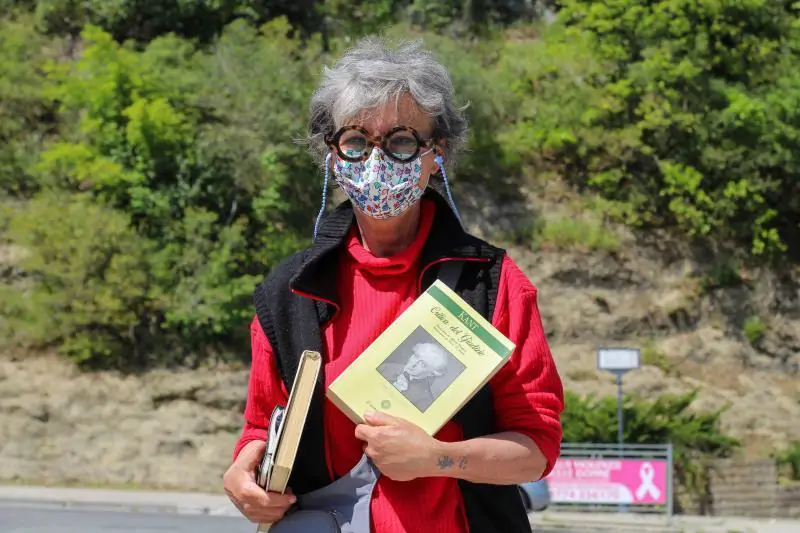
(93,286)
(696,436)
(790,458)
(204,20)
(24,108)
(754,329)
(651,355)
(187,160)
(17,6)
(359,17)
(687,112)
(475,16)
(488,102)
(194,150)
(554,99)
(174,122)
(665,419)
(727,272)
(575,234)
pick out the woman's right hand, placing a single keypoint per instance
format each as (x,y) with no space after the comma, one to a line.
(253,502)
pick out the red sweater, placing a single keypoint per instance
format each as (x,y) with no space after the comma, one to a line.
(528,395)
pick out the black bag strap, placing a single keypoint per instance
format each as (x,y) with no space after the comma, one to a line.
(450,272)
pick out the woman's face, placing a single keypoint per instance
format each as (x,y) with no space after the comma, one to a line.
(401,112)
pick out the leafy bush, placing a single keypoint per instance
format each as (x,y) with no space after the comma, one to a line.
(192,154)
(200,186)
(672,113)
(200,20)
(754,329)
(471,64)
(725,272)
(93,287)
(685,113)
(203,20)
(696,437)
(790,458)
(25,110)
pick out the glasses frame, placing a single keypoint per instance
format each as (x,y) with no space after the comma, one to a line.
(380,140)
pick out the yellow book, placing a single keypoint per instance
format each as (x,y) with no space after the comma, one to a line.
(426,365)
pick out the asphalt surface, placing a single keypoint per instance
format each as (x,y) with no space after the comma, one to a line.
(43,519)
(26,509)
(36,519)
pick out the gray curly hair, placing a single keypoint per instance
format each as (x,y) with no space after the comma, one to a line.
(369,75)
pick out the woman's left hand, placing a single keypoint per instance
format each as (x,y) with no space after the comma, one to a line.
(401,450)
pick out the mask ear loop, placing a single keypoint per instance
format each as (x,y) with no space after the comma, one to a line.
(440,161)
(324,195)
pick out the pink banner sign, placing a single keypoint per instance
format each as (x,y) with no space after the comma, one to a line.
(622,481)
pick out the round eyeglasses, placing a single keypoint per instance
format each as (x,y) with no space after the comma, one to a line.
(354,143)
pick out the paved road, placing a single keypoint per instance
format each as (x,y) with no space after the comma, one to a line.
(42,519)
(35,519)
(62,510)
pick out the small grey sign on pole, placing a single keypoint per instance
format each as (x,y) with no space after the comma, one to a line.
(618,361)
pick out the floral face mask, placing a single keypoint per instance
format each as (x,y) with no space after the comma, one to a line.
(380,187)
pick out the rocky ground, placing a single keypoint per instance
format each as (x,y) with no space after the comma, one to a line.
(167,429)
(177,429)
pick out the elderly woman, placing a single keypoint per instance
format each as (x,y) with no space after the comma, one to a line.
(384,125)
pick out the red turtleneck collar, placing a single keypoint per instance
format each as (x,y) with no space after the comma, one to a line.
(399,263)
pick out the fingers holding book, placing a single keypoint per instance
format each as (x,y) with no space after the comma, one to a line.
(263,507)
(253,502)
(401,450)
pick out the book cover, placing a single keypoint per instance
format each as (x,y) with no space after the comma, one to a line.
(286,429)
(426,365)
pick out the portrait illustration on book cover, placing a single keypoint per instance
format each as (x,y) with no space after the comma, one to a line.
(420,368)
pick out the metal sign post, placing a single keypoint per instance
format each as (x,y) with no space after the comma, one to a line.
(618,361)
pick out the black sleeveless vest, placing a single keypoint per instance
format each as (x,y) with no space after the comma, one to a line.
(299,296)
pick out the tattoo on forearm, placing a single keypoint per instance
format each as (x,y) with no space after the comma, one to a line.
(446,462)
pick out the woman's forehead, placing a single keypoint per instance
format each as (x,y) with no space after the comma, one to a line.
(402,111)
